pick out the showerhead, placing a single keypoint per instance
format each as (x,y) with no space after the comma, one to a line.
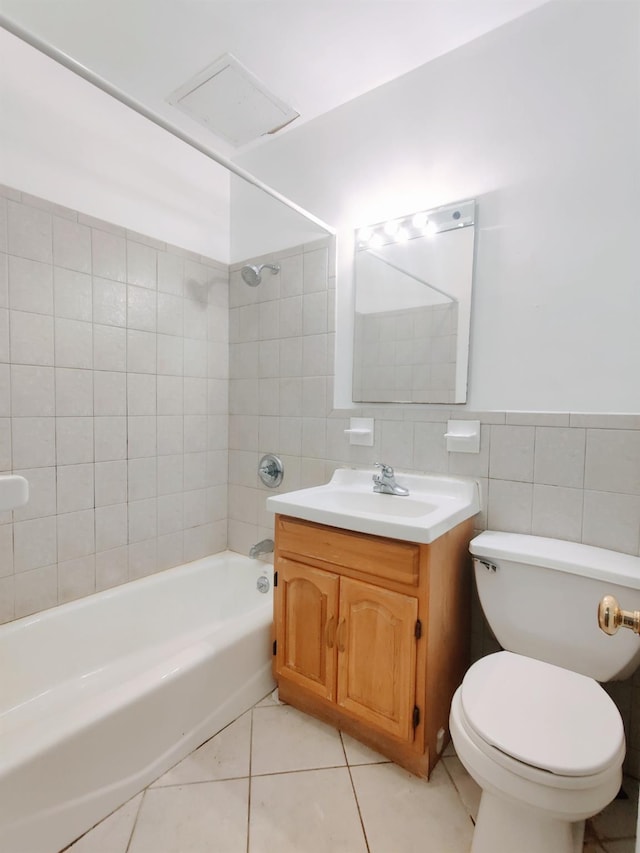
(251,274)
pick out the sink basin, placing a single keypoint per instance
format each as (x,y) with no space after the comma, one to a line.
(433,506)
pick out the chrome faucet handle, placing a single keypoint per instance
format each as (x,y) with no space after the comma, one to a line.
(385,470)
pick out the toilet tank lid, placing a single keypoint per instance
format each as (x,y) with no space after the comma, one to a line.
(573,557)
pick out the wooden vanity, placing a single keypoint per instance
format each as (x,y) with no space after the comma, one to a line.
(372,634)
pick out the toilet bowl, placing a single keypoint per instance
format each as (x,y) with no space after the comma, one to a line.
(531,724)
(546,746)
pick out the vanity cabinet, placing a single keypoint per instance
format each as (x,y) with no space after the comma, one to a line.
(372,634)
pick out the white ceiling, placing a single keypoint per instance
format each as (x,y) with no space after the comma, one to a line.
(313,54)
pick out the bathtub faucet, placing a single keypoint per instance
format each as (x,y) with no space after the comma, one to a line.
(263,547)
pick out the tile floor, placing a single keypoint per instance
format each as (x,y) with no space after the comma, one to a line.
(278,781)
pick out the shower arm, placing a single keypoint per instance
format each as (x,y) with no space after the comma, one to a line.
(91,77)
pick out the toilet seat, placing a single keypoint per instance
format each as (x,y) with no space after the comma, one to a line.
(541,716)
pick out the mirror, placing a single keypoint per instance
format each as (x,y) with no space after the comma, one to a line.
(413,279)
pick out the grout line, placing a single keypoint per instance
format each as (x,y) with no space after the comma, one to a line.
(135,821)
(355,795)
(250,777)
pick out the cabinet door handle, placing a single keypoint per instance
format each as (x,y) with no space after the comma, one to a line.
(340,635)
(330,632)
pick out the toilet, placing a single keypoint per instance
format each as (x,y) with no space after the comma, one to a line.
(531,724)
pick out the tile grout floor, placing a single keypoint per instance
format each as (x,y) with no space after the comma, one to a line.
(278,781)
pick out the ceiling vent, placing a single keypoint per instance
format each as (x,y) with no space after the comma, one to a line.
(231,102)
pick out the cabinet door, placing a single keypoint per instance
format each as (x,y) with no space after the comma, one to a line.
(377,656)
(306,610)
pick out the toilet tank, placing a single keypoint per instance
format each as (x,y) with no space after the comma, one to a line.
(540,597)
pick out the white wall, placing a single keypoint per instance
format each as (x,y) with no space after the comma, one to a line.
(540,122)
(65,140)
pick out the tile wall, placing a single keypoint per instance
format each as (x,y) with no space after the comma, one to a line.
(569,476)
(113,403)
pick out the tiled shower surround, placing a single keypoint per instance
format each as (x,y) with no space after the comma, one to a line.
(113,404)
(110,420)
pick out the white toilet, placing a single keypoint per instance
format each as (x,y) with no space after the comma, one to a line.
(531,724)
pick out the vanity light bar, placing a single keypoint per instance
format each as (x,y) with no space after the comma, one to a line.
(420,224)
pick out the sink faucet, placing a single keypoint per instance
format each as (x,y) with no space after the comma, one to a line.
(265,546)
(385,481)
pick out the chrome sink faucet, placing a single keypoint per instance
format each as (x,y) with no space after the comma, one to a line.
(385,481)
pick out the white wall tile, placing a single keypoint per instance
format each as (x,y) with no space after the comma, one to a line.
(314,313)
(42,493)
(31,338)
(142,520)
(109,393)
(5,444)
(557,512)
(196,358)
(110,439)
(198,542)
(109,302)
(196,510)
(290,319)
(34,543)
(74,343)
(314,355)
(32,391)
(195,433)
(396,443)
(512,453)
(315,270)
(110,482)
(291,356)
(314,396)
(611,521)
(141,431)
(74,440)
(291,276)
(4,280)
(170,395)
(111,526)
(141,394)
(198,474)
(559,456)
(74,392)
(4,335)
(75,487)
(141,265)
(76,578)
(195,396)
(73,294)
(170,435)
(170,314)
(613,461)
(142,478)
(33,442)
(76,534)
(141,309)
(195,318)
(29,232)
(109,348)
(429,448)
(170,474)
(143,558)
(268,397)
(290,397)
(108,254)
(141,352)
(30,286)
(6,550)
(112,567)
(170,550)
(170,513)
(170,358)
(170,273)
(510,506)
(35,590)
(71,245)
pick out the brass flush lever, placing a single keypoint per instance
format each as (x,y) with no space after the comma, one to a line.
(611,617)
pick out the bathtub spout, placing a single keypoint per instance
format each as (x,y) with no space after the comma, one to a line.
(263,547)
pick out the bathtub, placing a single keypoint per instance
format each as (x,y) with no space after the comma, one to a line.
(101,696)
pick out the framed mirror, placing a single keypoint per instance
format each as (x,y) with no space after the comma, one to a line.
(413,278)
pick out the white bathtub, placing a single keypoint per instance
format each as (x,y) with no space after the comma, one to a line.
(101,696)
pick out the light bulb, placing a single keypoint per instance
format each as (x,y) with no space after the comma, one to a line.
(430,229)
(391,228)
(419,221)
(402,236)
